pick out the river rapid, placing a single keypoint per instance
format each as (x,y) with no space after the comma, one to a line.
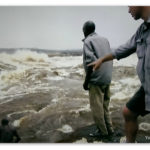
(43,97)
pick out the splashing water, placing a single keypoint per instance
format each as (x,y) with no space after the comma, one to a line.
(27,70)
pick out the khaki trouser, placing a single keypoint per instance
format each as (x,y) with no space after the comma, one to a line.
(99,102)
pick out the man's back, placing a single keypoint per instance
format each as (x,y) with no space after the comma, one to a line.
(97,47)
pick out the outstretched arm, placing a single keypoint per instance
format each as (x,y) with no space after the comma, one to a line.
(121,52)
(96,64)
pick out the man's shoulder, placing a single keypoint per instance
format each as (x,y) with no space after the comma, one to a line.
(95,38)
(103,38)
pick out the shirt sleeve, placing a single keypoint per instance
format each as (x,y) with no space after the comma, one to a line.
(89,53)
(126,49)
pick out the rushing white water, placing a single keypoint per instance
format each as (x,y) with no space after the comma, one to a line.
(130,61)
(26,71)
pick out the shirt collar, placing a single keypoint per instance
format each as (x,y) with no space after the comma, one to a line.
(146,24)
(94,33)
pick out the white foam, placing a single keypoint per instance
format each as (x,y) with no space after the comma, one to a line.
(119,96)
(20,112)
(17,123)
(70,61)
(57,78)
(85,108)
(132,82)
(29,56)
(124,88)
(66,129)
(54,100)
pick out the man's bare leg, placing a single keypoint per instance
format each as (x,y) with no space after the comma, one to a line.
(131,125)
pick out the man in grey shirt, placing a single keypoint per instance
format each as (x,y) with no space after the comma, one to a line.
(139,104)
(97,82)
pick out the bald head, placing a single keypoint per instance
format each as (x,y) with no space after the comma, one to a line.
(88,28)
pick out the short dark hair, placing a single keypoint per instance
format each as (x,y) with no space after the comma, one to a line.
(4,121)
(88,27)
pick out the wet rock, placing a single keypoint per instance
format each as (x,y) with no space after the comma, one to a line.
(144,126)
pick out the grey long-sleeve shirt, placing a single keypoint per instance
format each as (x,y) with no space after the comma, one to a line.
(96,47)
(139,43)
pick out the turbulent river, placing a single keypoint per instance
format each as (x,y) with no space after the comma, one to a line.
(43,97)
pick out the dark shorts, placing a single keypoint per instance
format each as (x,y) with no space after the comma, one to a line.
(137,103)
